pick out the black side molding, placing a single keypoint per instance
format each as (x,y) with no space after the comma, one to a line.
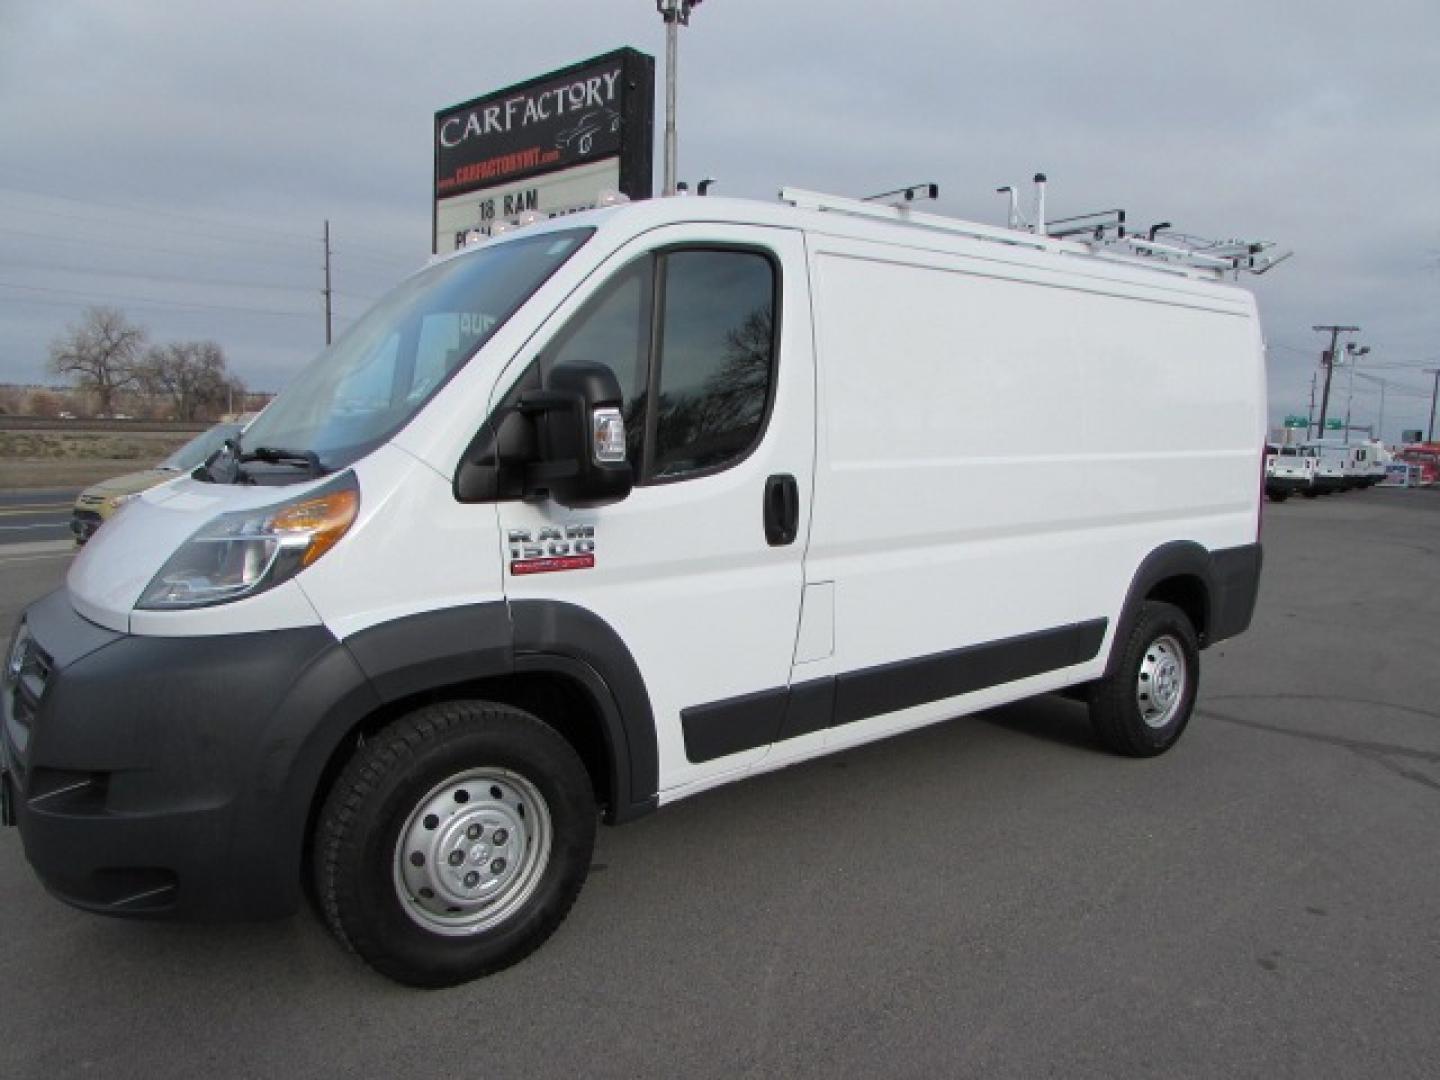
(750,721)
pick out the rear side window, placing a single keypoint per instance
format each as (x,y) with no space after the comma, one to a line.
(690,335)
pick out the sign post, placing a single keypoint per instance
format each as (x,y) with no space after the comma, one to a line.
(550,146)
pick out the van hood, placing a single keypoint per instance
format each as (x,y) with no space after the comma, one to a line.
(120,560)
(129,483)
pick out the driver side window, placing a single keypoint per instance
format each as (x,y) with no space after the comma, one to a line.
(690,335)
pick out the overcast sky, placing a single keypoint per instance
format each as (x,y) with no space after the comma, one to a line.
(177,159)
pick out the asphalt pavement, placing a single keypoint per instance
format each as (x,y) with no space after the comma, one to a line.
(990,897)
(28,517)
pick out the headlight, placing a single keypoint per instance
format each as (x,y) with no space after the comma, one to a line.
(15,657)
(117,501)
(244,553)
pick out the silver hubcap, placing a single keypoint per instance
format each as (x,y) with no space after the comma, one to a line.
(472,852)
(1161,686)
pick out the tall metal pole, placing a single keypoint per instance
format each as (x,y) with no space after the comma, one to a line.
(1327,360)
(1349,395)
(672,36)
(676,14)
(1430,433)
(326,290)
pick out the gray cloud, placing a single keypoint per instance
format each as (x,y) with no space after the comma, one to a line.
(199,144)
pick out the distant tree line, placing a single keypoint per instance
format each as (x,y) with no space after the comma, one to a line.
(115,368)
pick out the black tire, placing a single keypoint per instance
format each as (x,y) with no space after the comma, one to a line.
(437,753)
(1160,639)
(1309,494)
(1278,496)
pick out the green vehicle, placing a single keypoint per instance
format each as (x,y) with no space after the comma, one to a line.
(96,503)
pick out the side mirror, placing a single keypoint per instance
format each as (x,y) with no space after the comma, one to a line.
(580,437)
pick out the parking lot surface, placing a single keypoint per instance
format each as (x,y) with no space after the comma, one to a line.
(990,897)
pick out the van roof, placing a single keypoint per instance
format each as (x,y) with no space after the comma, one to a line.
(903,228)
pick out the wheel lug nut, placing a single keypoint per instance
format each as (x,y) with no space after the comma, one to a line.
(474,831)
(498,866)
(456,858)
(472,879)
(500,836)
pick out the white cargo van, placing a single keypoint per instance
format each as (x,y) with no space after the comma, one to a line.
(1288,470)
(1337,467)
(609,510)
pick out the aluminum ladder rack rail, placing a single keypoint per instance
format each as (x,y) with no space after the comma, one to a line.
(1176,254)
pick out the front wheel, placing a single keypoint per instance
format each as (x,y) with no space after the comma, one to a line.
(1278,496)
(1142,709)
(454,843)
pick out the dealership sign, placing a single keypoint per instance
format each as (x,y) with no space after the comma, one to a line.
(550,145)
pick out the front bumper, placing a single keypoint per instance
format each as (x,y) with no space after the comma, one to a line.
(172,777)
(1289,485)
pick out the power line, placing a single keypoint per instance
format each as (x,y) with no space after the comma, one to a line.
(155,301)
(376,254)
(286,261)
(296,238)
(100,271)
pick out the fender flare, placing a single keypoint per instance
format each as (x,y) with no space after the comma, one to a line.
(434,650)
(1178,558)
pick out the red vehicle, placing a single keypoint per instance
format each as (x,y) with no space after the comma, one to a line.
(1427,456)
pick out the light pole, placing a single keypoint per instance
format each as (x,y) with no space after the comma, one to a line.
(1380,421)
(1430,433)
(1327,359)
(1354,355)
(676,14)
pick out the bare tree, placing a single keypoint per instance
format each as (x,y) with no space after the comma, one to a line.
(100,354)
(192,375)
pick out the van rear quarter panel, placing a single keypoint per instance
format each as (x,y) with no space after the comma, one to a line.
(1003,442)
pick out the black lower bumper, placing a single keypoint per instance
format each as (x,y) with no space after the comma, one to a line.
(1285,485)
(1235,588)
(172,777)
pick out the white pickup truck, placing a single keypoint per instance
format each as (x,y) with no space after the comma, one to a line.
(1288,471)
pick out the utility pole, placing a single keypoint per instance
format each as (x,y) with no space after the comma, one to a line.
(1327,361)
(1430,433)
(676,14)
(327,282)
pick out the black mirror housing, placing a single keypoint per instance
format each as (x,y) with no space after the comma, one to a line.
(570,466)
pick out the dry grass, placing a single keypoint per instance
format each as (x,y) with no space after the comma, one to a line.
(46,459)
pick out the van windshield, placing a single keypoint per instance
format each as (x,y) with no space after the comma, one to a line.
(384,368)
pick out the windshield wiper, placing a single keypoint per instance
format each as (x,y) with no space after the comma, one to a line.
(278,455)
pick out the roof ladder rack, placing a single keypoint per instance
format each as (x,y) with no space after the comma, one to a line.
(802,199)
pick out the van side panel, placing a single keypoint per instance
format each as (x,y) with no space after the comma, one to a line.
(1002,444)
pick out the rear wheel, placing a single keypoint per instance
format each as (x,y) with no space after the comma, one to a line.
(1142,709)
(1278,496)
(454,843)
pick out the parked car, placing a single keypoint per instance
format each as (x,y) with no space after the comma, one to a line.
(95,504)
(714,487)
